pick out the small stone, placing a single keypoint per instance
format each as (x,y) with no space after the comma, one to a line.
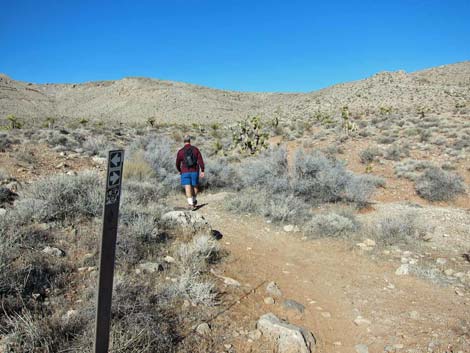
(273,289)
(337,343)
(227,346)
(254,335)
(427,237)
(50,250)
(290,304)
(403,270)
(3,212)
(268,300)
(288,228)
(203,329)
(231,282)
(459,292)
(69,314)
(414,315)
(169,259)
(398,346)
(326,314)
(449,272)
(361,348)
(150,267)
(359,321)
(441,261)
(369,242)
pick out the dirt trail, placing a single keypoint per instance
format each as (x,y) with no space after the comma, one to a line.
(337,284)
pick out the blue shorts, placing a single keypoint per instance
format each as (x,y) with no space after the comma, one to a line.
(191,178)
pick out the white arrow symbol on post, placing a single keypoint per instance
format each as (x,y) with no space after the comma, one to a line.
(116,159)
(114,177)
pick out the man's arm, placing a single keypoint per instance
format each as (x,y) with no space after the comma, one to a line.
(178,161)
(200,162)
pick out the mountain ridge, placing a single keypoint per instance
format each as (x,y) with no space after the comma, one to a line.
(136,99)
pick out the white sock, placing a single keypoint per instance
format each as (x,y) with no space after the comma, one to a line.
(190,201)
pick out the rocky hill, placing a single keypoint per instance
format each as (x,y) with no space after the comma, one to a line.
(137,99)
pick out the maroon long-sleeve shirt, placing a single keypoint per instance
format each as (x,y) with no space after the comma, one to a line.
(181,164)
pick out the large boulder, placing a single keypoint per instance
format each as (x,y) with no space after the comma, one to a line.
(188,220)
(289,338)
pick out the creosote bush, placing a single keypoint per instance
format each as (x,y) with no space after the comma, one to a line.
(436,184)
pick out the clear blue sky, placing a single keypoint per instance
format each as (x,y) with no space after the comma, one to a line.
(240,45)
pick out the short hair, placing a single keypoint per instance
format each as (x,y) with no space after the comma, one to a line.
(187,138)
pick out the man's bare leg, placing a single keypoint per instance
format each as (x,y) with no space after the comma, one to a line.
(189,194)
(196,190)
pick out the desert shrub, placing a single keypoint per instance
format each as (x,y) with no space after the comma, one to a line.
(196,255)
(386,140)
(159,153)
(269,170)
(137,168)
(219,173)
(403,228)
(5,142)
(96,146)
(282,209)
(6,195)
(142,321)
(369,154)
(277,207)
(396,152)
(4,174)
(142,192)
(250,201)
(193,259)
(27,156)
(436,184)
(190,286)
(330,225)
(409,168)
(32,332)
(66,197)
(320,179)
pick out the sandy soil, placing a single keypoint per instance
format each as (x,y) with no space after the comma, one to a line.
(337,284)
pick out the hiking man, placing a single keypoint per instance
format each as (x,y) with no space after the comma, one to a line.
(190,164)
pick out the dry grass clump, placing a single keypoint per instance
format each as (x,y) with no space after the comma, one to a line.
(137,168)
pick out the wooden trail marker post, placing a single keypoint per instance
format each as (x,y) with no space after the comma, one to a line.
(108,250)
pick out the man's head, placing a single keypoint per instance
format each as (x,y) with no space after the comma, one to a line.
(187,139)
